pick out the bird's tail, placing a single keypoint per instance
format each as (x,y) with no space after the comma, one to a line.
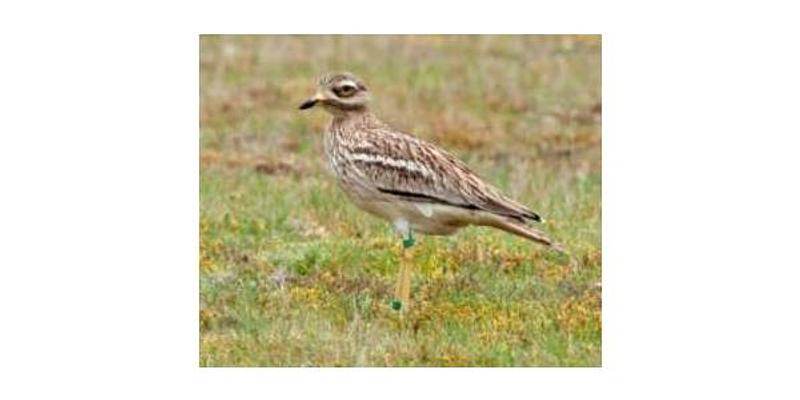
(528,232)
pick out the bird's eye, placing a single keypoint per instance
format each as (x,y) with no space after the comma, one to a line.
(345,90)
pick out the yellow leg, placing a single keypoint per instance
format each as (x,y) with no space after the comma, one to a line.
(403,289)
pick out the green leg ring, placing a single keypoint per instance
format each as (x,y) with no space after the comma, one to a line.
(409,241)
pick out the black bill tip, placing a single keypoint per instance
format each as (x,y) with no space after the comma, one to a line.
(308,104)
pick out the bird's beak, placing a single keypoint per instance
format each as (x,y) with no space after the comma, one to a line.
(312,101)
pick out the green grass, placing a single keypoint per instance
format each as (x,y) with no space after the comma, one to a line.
(292,274)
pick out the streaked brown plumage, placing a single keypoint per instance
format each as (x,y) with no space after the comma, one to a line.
(416,185)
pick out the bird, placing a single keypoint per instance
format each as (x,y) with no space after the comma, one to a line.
(414,184)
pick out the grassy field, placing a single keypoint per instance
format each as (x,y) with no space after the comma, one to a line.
(292,274)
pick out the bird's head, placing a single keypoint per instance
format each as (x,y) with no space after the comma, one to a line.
(339,93)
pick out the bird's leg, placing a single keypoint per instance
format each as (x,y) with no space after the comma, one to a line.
(404,278)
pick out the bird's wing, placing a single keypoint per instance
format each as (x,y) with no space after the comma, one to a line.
(407,167)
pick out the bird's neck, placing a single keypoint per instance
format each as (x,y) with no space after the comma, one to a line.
(352,118)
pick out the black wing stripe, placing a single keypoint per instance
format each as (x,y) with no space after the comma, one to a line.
(432,199)
(427,198)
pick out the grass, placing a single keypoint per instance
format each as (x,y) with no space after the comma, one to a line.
(292,274)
